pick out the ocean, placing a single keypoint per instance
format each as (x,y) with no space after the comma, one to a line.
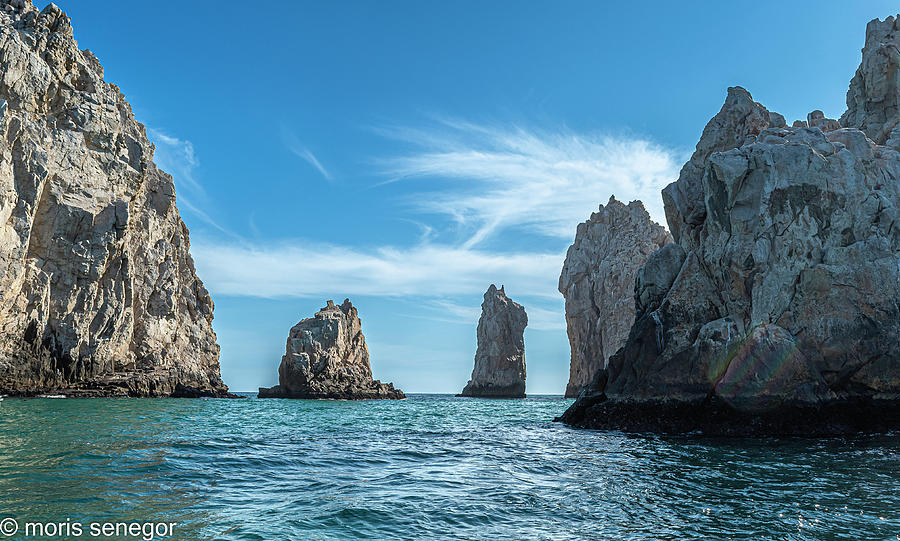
(429,467)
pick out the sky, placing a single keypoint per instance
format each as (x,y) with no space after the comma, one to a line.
(407,154)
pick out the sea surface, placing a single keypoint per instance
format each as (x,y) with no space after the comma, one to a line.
(429,467)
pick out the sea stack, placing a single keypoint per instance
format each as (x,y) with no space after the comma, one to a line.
(597,281)
(327,357)
(98,294)
(783,314)
(500,358)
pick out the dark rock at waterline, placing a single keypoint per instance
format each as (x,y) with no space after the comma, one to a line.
(326,358)
(714,417)
(185,391)
(377,391)
(488,390)
(122,386)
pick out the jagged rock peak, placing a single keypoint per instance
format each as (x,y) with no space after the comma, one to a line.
(24,14)
(326,357)
(98,293)
(739,120)
(500,358)
(598,280)
(873,99)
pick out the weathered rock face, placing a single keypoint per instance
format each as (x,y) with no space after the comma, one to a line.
(787,296)
(327,357)
(500,358)
(597,281)
(98,294)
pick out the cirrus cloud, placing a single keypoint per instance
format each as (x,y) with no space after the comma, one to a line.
(510,177)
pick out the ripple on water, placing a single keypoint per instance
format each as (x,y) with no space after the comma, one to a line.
(428,467)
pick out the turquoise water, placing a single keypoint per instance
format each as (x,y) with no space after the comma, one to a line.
(429,467)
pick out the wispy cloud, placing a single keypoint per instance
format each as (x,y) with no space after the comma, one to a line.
(489,178)
(307,155)
(302,151)
(186,204)
(508,176)
(304,269)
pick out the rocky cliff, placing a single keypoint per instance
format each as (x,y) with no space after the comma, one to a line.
(500,357)
(98,294)
(597,281)
(782,314)
(326,357)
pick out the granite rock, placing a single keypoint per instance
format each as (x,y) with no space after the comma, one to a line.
(817,119)
(326,357)
(98,293)
(739,120)
(500,358)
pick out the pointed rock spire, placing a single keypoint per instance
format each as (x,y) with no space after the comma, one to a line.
(500,359)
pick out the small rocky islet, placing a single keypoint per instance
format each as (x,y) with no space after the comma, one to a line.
(326,358)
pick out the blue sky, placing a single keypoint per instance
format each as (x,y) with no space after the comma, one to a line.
(407,154)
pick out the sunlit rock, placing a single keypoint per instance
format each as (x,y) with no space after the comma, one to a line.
(785,313)
(98,294)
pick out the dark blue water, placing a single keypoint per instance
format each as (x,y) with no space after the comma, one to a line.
(430,467)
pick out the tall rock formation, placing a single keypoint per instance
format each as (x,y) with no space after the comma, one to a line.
(500,358)
(326,357)
(98,294)
(597,281)
(784,313)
